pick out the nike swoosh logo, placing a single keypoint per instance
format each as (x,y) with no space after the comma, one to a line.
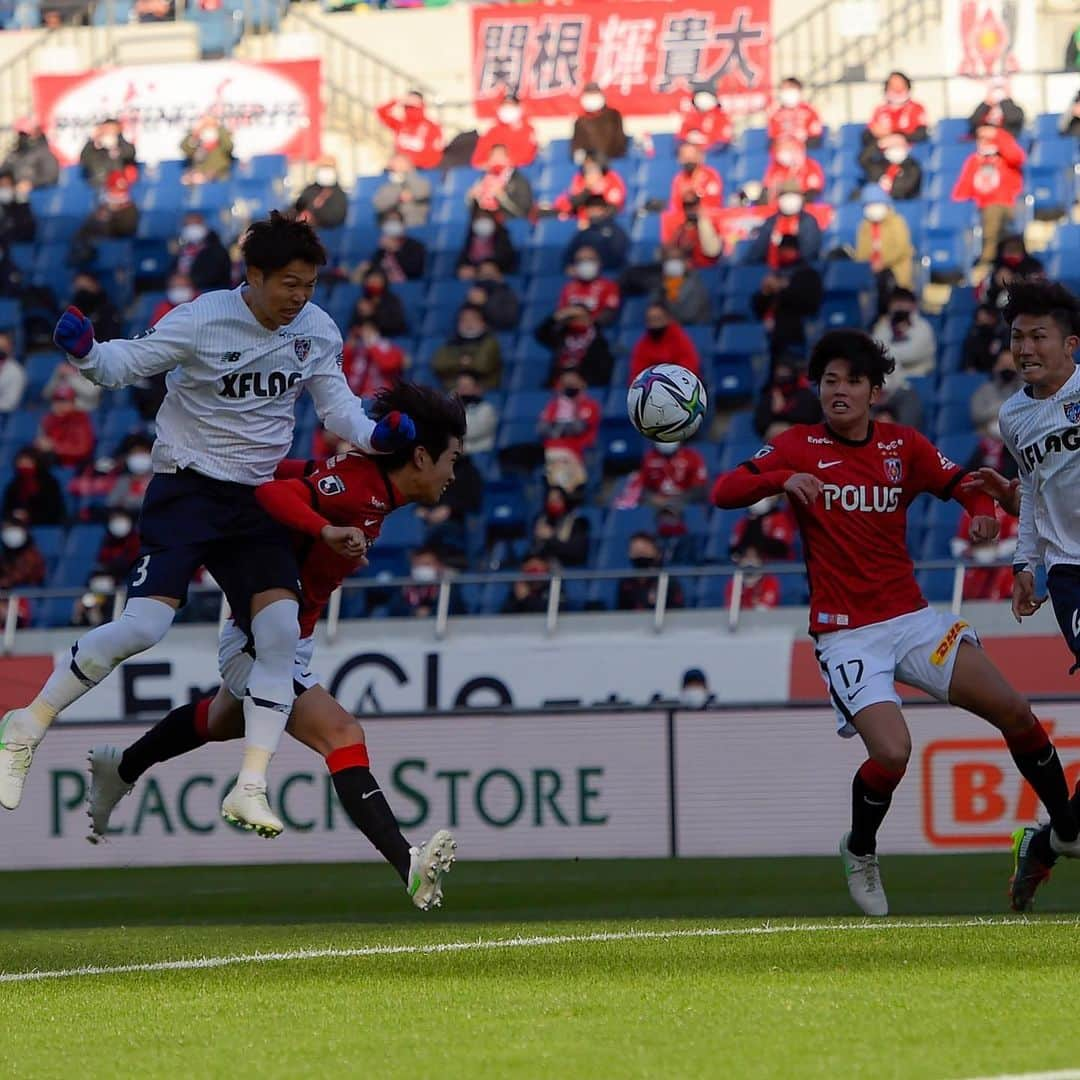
(1076,622)
(874,802)
(855,693)
(827,464)
(370,793)
(1049,758)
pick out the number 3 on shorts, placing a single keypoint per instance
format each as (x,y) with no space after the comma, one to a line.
(141,570)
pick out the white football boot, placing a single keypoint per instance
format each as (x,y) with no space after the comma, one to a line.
(247,807)
(864,881)
(16,754)
(427,865)
(106,789)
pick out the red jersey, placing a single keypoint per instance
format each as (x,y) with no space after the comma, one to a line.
(706,129)
(807,174)
(674,346)
(800,121)
(705,182)
(995,179)
(906,118)
(596,296)
(519,140)
(571,423)
(763,593)
(854,534)
(348,490)
(612,187)
(415,136)
(673,474)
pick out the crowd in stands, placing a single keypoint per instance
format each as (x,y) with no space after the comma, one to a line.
(537,282)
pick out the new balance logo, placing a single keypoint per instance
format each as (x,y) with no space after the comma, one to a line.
(827,464)
(231,357)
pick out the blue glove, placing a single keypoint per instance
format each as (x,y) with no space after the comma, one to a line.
(74,333)
(394,431)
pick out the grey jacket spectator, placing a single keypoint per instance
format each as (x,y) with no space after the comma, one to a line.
(105,151)
(481,417)
(404,190)
(986,402)
(907,335)
(324,202)
(683,291)
(12,377)
(31,160)
(87,394)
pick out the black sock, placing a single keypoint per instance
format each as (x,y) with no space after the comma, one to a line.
(369,811)
(871,796)
(1041,849)
(1037,759)
(184,729)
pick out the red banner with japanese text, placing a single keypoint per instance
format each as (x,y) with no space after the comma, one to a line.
(641,52)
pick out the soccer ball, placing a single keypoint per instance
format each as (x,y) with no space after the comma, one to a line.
(666,403)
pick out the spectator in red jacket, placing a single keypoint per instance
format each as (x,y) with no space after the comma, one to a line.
(178,290)
(790,164)
(769,526)
(692,230)
(568,426)
(587,288)
(696,177)
(898,113)
(993,178)
(759,590)
(705,124)
(511,130)
(793,116)
(66,431)
(577,343)
(595,177)
(673,474)
(21,565)
(416,135)
(982,581)
(369,360)
(664,342)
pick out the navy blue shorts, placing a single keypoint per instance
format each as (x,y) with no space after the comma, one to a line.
(189,520)
(1063,585)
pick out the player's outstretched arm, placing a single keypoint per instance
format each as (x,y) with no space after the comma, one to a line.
(113,364)
(1006,493)
(289,501)
(747,484)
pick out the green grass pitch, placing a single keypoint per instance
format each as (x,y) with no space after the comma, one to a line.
(692,968)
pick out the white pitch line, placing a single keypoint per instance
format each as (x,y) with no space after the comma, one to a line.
(1061,1074)
(206,962)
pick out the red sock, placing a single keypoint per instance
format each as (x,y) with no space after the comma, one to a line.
(348,757)
(877,778)
(201,722)
(1027,742)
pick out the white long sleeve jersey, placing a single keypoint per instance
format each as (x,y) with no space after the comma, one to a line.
(1043,435)
(232,385)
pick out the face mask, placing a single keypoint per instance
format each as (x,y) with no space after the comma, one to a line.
(554,508)
(425,572)
(193,233)
(695,697)
(674,268)
(789,97)
(13,537)
(120,527)
(790,203)
(901,98)
(470,333)
(374,288)
(592,102)
(875,211)
(785,158)
(895,155)
(110,141)
(986,151)
(644,562)
(393,228)
(688,168)
(1012,260)
(509,114)
(704,102)
(484,227)
(396,177)
(470,399)
(326,177)
(667,448)
(586,270)
(101,584)
(209,138)
(571,391)
(7,195)
(655,332)
(180,294)
(1006,376)
(139,463)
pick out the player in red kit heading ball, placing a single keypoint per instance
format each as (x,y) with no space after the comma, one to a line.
(850,481)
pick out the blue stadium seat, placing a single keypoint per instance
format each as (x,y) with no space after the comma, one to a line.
(947,214)
(1053,153)
(270,167)
(211,198)
(621,446)
(845,276)
(847,139)
(960,387)
(947,159)
(1051,190)
(742,339)
(22,426)
(526,405)
(1062,266)
(844,310)
(958,447)
(749,167)
(846,221)
(401,531)
(732,377)
(554,232)
(953,418)
(951,129)
(948,252)
(1066,237)
(556,178)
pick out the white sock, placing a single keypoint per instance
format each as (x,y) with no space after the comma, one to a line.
(254,767)
(142,624)
(269,696)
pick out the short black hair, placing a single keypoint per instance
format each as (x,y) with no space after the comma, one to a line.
(271,244)
(792,80)
(1036,296)
(864,355)
(898,75)
(900,293)
(438,417)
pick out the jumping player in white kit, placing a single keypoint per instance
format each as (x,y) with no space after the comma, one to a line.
(237,360)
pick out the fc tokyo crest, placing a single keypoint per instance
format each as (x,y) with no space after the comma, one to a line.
(302,347)
(894,470)
(1072,411)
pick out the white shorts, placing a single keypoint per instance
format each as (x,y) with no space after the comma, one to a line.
(861,667)
(234,662)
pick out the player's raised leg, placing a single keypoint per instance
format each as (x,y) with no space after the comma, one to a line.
(979,687)
(888,745)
